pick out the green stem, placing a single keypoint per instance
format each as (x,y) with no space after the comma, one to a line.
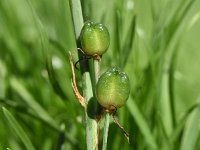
(105,132)
(76,12)
(96,70)
(91,123)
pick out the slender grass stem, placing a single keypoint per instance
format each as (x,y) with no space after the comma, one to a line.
(171,88)
(106,129)
(76,12)
(97,69)
(90,120)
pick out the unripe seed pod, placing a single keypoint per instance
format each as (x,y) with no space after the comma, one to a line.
(113,89)
(95,38)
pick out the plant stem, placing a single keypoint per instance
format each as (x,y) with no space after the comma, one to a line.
(91,123)
(105,132)
(76,12)
(97,69)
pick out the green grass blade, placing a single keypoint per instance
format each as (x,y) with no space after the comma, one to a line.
(191,132)
(117,38)
(3,80)
(23,109)
(172,67)
(127,47)
(46,53)
(54,81)
(18,129)
(167,143)
(178,18)
(180,125)
(142,125)
(31,102)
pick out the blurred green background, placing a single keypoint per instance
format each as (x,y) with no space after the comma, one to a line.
(155,42)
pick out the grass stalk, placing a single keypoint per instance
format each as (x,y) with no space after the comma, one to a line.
(106,129)
(91,123)
(96,69)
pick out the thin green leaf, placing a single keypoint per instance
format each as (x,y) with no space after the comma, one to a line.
(23,109)
(117,38)
(142,125)
(191,133)
(167,142)
(18,129)
(53,80)
(3,80)
(127,47)
(45,43)
(177,19)
(180,125)
(172,66)
(31,102)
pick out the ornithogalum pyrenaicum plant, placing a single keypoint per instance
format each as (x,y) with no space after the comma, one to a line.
(155,42)
(112,89)
(94,40)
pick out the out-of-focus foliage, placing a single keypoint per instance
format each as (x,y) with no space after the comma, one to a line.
(155,42)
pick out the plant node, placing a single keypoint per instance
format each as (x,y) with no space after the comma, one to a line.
(86,57)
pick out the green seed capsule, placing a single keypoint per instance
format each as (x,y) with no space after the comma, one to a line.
(113,89)
(95,38)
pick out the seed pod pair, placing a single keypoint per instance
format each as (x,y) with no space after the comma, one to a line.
(113,87)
